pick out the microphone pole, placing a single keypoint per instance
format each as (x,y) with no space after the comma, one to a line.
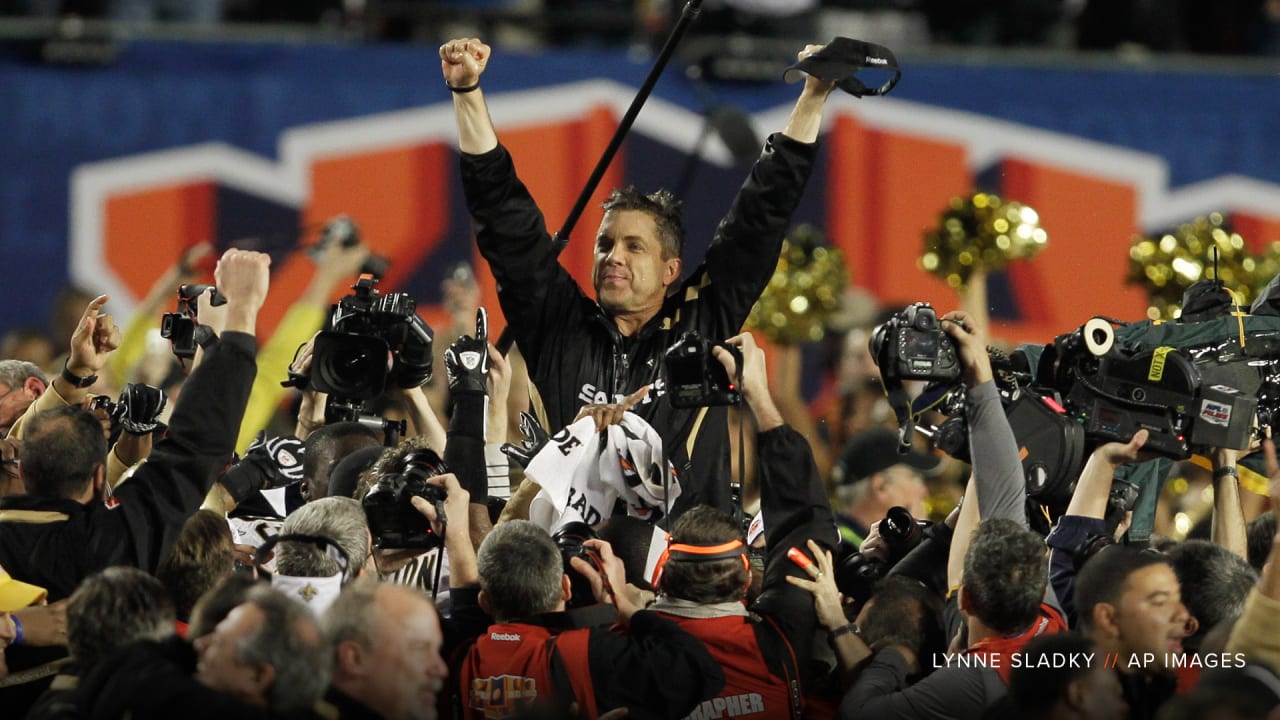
(561,238)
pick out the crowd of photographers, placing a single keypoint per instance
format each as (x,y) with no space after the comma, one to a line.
(403,549)
(150,570)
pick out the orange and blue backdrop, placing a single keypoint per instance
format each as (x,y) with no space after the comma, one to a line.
(107,173)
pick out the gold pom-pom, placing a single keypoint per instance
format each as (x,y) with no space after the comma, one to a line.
(980,232)
(803,292)
(1170,263)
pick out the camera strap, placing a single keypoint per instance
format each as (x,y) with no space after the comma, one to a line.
(735,483)
(328,546)
(908,411)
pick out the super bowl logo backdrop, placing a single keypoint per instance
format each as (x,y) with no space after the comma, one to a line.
(887,169)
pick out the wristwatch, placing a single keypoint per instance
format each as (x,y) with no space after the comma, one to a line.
(76,380)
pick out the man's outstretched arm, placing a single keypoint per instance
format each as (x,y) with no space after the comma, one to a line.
(462,62)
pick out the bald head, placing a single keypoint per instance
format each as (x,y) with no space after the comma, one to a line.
(325,448)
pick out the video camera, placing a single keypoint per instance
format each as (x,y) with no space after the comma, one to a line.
(393,520)
(695,378)
(1187,400)
(1085,389)
(369,341)
(182,328)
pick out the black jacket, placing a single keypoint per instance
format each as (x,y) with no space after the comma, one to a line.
(150,679)
(57,543)
(575,353)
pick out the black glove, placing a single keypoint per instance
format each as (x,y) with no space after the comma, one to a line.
(534,438)
(139,408)
(466,361)
(280,456)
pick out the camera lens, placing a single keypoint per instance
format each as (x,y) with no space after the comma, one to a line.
(350,366)
(876,343)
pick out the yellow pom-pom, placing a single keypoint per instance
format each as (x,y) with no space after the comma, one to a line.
(803,292)
(1169,264)
(980,232)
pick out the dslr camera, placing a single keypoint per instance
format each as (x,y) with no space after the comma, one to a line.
(182,328)
(343,231)
(695,378)
(369,341)
(857,574)
(393,520)
(569,539)
(912,346)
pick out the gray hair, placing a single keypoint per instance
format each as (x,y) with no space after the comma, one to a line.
(290,641)
(15,372)
(113,608)
(340,519)
(520,570)
(1005,573)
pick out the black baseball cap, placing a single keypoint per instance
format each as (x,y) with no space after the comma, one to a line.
(839,60)
(875,450)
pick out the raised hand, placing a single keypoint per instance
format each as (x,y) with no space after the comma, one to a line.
(466,361)
(462,61)
(971,341)
(535,436)
(93,340)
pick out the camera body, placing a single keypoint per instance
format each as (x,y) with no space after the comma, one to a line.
(343,231)
(180,327)
(695,378)
(371,340)
(569,539)
(393,520)
(912,346)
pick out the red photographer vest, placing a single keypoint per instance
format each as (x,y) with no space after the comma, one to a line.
(1000,651)
(508,669)
(759,678)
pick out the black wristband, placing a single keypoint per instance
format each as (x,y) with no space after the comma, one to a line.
(464,89)
(844,630)
(76,380)
(1227,471)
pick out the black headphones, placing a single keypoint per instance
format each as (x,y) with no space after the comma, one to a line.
(329,546)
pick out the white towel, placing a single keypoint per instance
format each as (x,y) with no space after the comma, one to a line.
(583,473)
